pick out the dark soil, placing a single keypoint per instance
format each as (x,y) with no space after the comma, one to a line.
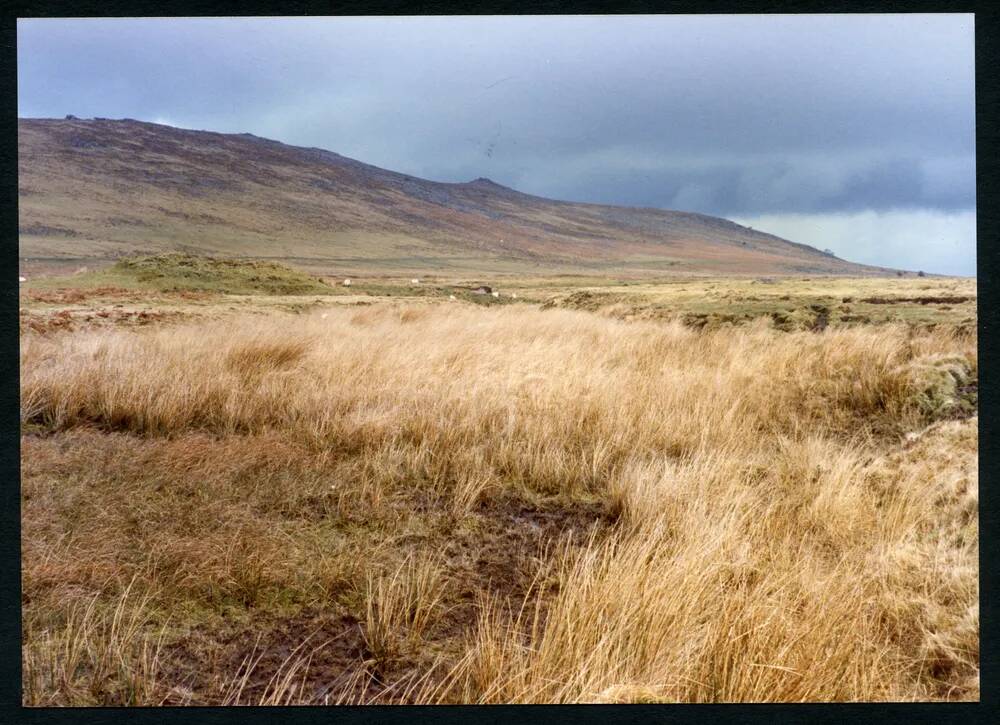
(499,553)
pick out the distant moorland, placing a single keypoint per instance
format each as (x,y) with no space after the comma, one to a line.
(94,190)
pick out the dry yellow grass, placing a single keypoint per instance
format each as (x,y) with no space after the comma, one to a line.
(399,607)
(798,585)
(776,535)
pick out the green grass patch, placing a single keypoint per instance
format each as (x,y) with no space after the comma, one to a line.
(172,272)
(178,272)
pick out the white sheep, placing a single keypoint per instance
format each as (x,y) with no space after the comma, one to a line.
(496,294)
(22,279)
(414,281)
(513,295)
(347,283)
(451,297)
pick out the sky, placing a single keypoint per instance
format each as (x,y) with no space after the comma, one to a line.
(854,133)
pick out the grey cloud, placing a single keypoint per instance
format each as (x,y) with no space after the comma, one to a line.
(723,114)
(777,184)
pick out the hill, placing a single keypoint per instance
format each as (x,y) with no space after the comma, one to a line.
(101,189)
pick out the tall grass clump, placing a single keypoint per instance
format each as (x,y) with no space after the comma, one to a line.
(399,607)
(95,656)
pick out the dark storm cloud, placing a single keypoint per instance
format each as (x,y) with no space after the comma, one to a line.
(731,115)
(787,184)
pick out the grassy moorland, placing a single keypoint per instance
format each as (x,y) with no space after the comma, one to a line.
(585,493)
(95,189)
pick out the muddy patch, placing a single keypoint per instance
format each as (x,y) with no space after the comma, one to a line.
(503,556)
(497,552)
(210,667)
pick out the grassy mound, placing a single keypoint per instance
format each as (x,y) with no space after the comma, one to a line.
(171,272)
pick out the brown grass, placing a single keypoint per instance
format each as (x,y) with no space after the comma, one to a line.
(794,518)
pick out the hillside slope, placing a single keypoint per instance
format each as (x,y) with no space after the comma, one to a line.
(103,188)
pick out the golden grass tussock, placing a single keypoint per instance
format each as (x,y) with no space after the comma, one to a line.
(400,605)
(793,514)
(738,583)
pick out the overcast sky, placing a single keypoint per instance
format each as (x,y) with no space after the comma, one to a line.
(852,132)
